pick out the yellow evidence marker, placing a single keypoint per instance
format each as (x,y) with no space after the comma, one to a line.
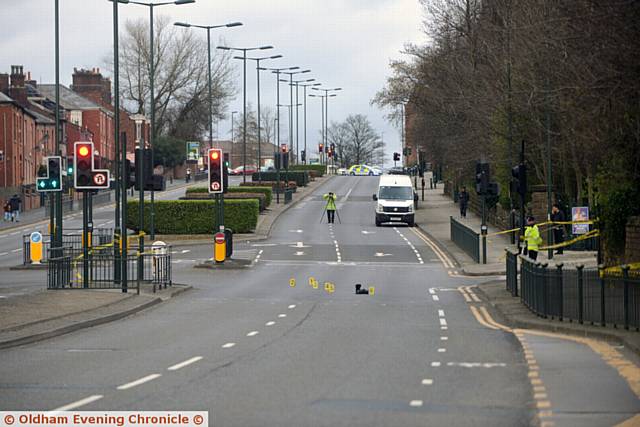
(292,282)
(372,290)
(312,280)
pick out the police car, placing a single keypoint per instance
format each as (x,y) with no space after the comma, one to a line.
(363,170)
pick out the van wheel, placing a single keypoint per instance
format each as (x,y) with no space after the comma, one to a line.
(378,223)
(411,223)
(370,173)
(352,173)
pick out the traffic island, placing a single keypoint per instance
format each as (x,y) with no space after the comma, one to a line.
(228,264)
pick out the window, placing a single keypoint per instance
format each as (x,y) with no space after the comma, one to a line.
(396,193)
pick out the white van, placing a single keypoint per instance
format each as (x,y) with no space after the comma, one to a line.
(395,199)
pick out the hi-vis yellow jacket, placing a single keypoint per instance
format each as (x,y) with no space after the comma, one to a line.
(532,237)
(331,201)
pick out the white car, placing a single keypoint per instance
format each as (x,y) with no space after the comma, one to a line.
(342,171)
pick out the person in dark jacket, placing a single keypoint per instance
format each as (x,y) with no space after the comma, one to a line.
(463,199)
(15,203)
(558,229)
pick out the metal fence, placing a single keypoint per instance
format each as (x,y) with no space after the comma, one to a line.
(466,239)
(68,271)
(580,294)
(72,242)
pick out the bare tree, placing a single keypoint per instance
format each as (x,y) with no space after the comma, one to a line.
(356,141)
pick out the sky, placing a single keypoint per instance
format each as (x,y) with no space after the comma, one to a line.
(346,43)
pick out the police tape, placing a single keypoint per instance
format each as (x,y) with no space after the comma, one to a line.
(589,235)
(542,224)
(633,270)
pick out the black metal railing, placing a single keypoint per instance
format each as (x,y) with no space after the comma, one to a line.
(71,241)
(466,239)
(591,295)
(68,271)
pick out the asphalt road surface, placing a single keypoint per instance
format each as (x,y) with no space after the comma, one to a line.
(263,347)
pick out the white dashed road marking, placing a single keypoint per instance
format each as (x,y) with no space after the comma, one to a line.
(281,315)
(185,363)
(427,381)
(139,382)
(253,333)
(228,345)
(79,403)
(271,323)
(415,403)
(292,306)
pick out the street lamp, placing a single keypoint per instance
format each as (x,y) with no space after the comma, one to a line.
(325,118)
(233,113)
(244,50)
(306,153)
(291,74)
(326,109)
(277,72)
(258,89)
(296,83)
(152,138)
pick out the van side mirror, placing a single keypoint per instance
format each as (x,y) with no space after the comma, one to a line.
(375,197)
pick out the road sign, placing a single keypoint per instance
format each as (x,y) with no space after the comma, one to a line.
(193,151)
(219,248)
(99,179)
(35,247)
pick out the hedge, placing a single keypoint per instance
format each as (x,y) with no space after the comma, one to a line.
(195,216)
(262,199)
(320,170)
(267,191)
(300,177)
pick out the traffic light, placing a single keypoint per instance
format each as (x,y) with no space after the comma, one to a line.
(225,172)
(482,177)
(216,184)
(303,155)
(50,178)
(85,176)
(130,174)
(396,157)
(277,160)
(519,182)
(320,147)
(69,168)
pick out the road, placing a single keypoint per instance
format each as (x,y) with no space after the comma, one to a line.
(253,350)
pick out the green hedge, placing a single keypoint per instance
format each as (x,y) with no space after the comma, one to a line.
(267,191)
(319,169)
(301,178)
(195,216)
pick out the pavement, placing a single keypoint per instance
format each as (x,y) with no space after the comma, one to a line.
(287,342)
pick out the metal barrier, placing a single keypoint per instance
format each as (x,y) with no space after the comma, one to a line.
(578,294)
(73,243)
(466,239)
(288,196)
(67,272)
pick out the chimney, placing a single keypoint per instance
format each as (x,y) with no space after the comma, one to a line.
(91,84)
(4,83)
(17,91)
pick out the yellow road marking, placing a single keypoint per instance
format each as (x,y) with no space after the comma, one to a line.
(464,294)
(446,262)
(631,422)
(480,319)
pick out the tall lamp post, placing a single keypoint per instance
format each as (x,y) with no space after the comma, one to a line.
(291,74)
(326,109)
(219,197)
(296,83)
(233,113)
(258,69)
(277,72)
(152,138)
(305,86)
(244,51)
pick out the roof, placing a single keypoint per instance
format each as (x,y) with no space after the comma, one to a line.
(5,98)
(69,99)
(40,118)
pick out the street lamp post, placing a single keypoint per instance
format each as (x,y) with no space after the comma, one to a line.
(258,69)
(277,72)
(233,113)
(326,111)
(291,74)
(152,138)
(297,84)
(305,86)
(219,198)
(244,51)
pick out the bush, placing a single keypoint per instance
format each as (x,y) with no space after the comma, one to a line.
(300,177)
(320,170)
(195,216)
(264,188)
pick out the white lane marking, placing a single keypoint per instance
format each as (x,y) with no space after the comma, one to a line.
(427,381)
(16,250)
(282,315)
(185,363)
(228,345)
(477,364)
(13,234)
(261,245)
(442,350)
(435,297)
(368,232)
(432,291)
(253,333)
(440,313)
(79,403)
(443,322)
(382,254)
(435,364)
(444,338)
(295,231)
(186,251)
(4,253)
(444,328)
(415,251)
(299,253)
(292,306)
(139,382)
(415,403)
(271,323)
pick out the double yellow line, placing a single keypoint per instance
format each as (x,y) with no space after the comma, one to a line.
(446,261)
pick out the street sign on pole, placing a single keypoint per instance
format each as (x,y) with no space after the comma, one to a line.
(35,247)
(193,151)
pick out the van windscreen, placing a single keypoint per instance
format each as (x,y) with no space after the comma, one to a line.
(396,193)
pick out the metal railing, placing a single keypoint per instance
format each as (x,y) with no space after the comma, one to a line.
(67,271)
(466,239)
(579,294)
(72,243)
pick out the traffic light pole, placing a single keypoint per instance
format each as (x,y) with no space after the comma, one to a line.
(140,179)
(85,239)
(56,200)
(117,264)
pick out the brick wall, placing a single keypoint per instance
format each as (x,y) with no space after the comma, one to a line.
(632,243)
